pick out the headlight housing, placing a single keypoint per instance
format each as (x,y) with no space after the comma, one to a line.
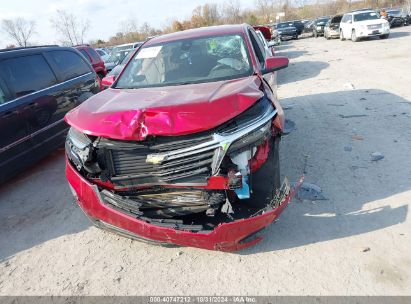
(79,150)
(248,117)
(254,138)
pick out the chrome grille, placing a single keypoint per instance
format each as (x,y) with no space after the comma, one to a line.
(128,162)
(374,26)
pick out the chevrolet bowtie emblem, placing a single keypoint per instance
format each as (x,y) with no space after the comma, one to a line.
(155,159)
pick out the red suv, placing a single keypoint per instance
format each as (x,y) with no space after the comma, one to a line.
(94,58)
(183,148)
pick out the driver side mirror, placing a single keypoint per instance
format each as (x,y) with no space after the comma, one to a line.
(108,81)
(274,64)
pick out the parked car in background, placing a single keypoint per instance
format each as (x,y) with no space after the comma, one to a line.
(116,57)
(318,26)
(166,154)
(112,75)
(299,25)
(94,58)
(332,27)
(396,17)
(265,30)
(118,53)
(103,54)
(38,86)
(268,48)
(361,24)
(287,30)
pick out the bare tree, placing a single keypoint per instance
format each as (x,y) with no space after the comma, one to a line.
(71,29)
(20,30)
(128,26)
(232,11)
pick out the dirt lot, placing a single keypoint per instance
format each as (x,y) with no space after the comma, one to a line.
(348,100)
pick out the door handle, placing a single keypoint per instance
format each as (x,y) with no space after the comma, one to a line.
(9,114)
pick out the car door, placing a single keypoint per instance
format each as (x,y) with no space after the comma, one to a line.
(347,26)
(33,82)
(15,143)
(342,23)
(76,83)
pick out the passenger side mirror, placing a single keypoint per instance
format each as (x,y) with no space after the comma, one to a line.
(274,64)
(349,21)
(108,81)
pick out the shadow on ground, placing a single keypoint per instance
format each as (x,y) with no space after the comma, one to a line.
(398,34)
(300,70)
(358,189)
(37,206)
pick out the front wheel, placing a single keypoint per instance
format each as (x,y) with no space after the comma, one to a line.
(315,34)
(384,36)
(354,36)
(342,35)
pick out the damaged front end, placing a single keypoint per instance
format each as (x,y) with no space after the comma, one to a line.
(215,189)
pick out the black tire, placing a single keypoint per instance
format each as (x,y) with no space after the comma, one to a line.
(315,34)
(295,37)
(384,36)
(354,36)
(342,35)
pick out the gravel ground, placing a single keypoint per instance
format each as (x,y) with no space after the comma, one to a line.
(348,100)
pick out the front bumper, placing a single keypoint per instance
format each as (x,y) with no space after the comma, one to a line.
(229,236)
(373,33)
(334,33)
(288,35)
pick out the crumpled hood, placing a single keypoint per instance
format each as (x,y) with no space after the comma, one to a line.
(174,110)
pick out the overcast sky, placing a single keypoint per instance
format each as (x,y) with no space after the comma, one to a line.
(104,15)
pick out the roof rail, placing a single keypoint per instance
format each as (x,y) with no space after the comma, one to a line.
(28,47)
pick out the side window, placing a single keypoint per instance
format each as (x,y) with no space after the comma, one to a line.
(27,74)
(69,64)
(343,19)
(2,96)
(94,55)
(85,54)
(257,48)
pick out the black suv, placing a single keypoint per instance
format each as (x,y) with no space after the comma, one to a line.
(38,86)
(318,26)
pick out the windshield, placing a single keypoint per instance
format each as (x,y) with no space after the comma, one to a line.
(365,16)
(322,20)
(394,12)
(197,60)
(118,55)
(284,25)
(128,53)
(336,19)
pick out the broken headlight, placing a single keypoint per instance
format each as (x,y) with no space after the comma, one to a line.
(252,117)
(254,138)
(249,117)
(79,150)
